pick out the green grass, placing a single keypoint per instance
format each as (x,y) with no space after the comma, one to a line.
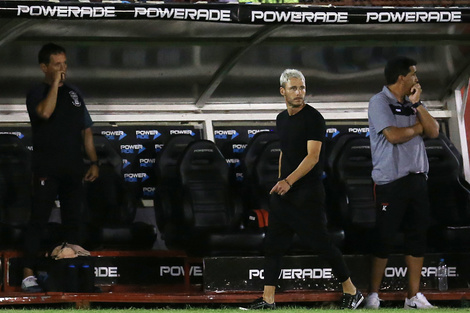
(285,309)
(228,309)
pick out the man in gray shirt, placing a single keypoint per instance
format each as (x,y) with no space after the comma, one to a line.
(398,120)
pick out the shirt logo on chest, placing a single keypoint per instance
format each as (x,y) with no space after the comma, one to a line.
(75,100)
(402,110)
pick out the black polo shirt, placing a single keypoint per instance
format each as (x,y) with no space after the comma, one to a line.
(57,141)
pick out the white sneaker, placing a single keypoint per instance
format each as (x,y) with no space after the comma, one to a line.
(29,284)
(372,301)
(418,302)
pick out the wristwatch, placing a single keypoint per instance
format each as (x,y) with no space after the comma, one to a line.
(416,105)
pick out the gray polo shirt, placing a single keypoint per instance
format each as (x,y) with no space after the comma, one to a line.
(393,161)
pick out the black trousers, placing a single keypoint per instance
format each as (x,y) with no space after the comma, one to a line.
(402,205)
(300,211)
(68,189)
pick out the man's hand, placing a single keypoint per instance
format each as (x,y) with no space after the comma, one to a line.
(93,173)
(415,95)
(281,188)
(59,77)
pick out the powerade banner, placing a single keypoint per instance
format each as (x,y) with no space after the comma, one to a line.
(234,13)
(314,273)
(128,270)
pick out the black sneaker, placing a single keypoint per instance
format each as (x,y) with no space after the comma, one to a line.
(351,301)
(259,304)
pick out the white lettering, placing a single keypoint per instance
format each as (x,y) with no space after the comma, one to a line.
(112,132)
(138,146)
(135,175)
(414,17)
(106,271)
(225,132)
(452,271)
(299,17)
(255,131)
(184,14)
(181,132)
(295,273)
(177,271)
(147,161)
(147,132)
(395,271)
(239,146)
(358,130)
(66,11)
(255,273)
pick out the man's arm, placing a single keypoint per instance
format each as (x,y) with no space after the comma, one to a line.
(93,171)
(47,106)
(425,125)
(397,135)
(430,125)
(310,160)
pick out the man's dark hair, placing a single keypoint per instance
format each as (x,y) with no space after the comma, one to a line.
(44,55)
(396,67)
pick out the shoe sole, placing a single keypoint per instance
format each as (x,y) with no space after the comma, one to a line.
(247,309)
(407,307)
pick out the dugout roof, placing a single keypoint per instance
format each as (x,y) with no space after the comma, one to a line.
(201,54)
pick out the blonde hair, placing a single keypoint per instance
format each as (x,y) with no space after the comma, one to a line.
(290,73)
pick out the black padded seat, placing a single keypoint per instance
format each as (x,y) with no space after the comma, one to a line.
(449,195)
(167,202)
(265,173)
(211,213)
(253,149)
(350,191)
(15,190)
(260,167)
(111,206)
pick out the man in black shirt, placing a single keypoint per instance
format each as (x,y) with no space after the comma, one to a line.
(297,203)
(60,125)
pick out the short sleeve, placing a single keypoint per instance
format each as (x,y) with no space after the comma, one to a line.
(380,114)
(87,119)
(316,127)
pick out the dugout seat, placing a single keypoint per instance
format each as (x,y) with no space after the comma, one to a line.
(449,195)
(350,194)
(167,201)
(253,150)
(15,190)
(257,176)
(211,210)
(265,173)
(111,207)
